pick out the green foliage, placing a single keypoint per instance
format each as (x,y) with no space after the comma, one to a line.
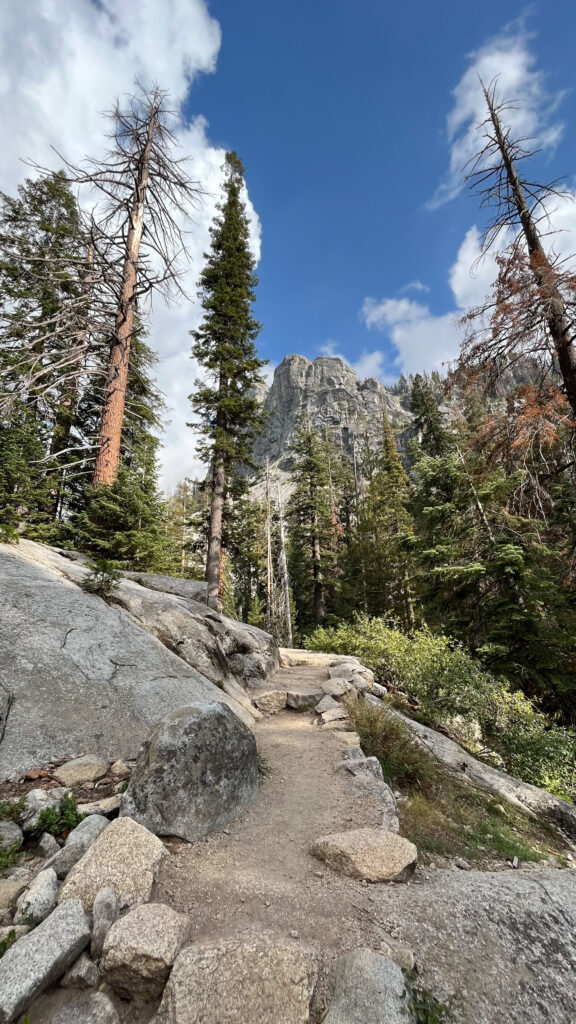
(102,577)
(12,810)
(8,535)
(9,855)
(59,820)
(229,412)
(405,764)
(7,942)
(425,1007)
(443,680)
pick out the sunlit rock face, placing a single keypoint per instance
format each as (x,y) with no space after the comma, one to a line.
(336,401)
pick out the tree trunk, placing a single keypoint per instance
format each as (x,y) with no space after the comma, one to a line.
(213,563)
(108,458)
(284,574)
(319,596)
(557,321)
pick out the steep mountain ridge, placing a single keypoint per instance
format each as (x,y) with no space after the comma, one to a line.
(337,402)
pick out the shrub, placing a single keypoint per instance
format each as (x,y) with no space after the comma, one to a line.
(11,810)
(8,535)
(404,762)
(59,820)
(444,680)
(9,856)
(102,578)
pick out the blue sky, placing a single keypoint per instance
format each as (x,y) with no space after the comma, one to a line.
(353,121)
(339,112)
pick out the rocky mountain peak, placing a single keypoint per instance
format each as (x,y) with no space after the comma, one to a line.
(334,398)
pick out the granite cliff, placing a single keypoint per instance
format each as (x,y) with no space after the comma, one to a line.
(337,402)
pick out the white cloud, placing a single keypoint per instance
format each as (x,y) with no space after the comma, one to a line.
(423,341)
(58,71)
(415,286)
(508,58)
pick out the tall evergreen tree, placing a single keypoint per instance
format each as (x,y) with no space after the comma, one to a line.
(229,411)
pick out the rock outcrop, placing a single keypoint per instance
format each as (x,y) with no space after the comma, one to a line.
(79,676)
(336,401)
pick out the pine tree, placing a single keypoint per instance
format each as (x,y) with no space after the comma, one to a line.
(385,536)
(428,420)
(229,411)
(315,528)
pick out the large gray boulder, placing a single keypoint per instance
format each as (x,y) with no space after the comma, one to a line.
(196,771)
(39,899)
(68,1007)
(77,675)
(253,981)
(40,957)
(366,986)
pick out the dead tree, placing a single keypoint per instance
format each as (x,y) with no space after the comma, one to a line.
(532,309)
(144,194)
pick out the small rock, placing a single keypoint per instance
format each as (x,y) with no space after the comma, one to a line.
(82,769)
(119,768)
(107,806)
(40,957)
(354,754)
(303,697)
(336,687)
(334,715)
(293,933)
(462,864)
(11,835)
(79,840)
(67,1006)
(39,899)
(87,786)
(270,700)
(83,974)
(515,862)
(105,913)
(125,856)
(140,949)
(369,853)
(47,845)
(327,704)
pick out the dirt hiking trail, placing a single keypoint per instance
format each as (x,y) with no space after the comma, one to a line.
(258,876)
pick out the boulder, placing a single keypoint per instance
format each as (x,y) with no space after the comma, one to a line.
(40,957)
(84,675)
(10,889)
(336,687)
(89,768)
(125,857)
(252,981)
(47,845)
(370,853)
(366,986)
(105,913)
(334,715)
(327,704)
(140,949)
(38,800)
(65,1006)
(119,769)
(11,835)
(83,974)
(270,700)
(39,899)
(302,696)
(197,771)
(79,840)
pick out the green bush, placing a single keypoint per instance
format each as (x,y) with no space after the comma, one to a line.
(102,577)
(11,810)
(444,680)
(59,820)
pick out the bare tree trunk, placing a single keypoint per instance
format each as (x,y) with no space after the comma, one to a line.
(557,321)
(284,574)
(108,458)
(319,596)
